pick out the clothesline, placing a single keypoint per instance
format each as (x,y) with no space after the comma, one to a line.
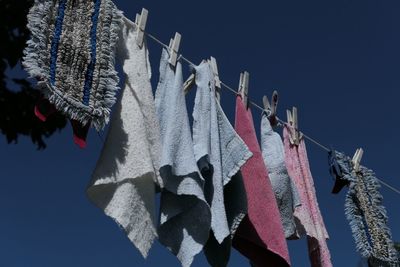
(235,92)
(312,140)
(252,183)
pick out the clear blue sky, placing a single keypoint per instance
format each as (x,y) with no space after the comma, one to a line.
(337,61)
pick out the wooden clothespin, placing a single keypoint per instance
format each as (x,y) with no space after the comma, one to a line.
(174,49)
(188,84)
(271,107)
(244,87)
(357,159)
(292,119)
(214,67)
(140,21)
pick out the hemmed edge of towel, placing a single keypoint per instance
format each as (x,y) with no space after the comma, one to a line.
(108,184)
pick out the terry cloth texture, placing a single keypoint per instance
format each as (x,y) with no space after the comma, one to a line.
(308,216)
(185,215)
(286,193)
(220,153)
(72,52)
(123,181)
(366,215)
(260,236)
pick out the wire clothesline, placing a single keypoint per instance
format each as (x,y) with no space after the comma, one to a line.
(312,140)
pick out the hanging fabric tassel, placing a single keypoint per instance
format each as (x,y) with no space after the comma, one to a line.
(367,216)
(72,53)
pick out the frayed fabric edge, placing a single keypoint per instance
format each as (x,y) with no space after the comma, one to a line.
(108,80)
(35,62)
(355,218)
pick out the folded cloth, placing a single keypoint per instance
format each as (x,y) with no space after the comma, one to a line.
(71,53)
(185,215)
(220,153)
(366,214)
(308,216)
(123,180)
(286,193)
(260,236)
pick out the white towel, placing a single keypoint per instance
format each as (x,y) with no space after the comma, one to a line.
(284,188)
(185,214)
(220,153)
(123,181)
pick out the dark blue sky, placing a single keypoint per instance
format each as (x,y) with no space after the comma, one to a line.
(337,61)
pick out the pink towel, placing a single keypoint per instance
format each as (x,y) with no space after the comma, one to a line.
(260,236)
(308,216)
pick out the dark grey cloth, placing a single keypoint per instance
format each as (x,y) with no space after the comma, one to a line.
(220,153)
(185,215)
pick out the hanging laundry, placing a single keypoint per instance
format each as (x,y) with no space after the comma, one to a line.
(336,172)
(260,236)
(71,54)
(366,214)
(123,182)
(220,153)
(185,215)
(308,216)
(286,193)
(44,110)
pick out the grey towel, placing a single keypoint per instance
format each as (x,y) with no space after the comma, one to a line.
(123,182)
(185,214)
(220,153)
(286,194)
